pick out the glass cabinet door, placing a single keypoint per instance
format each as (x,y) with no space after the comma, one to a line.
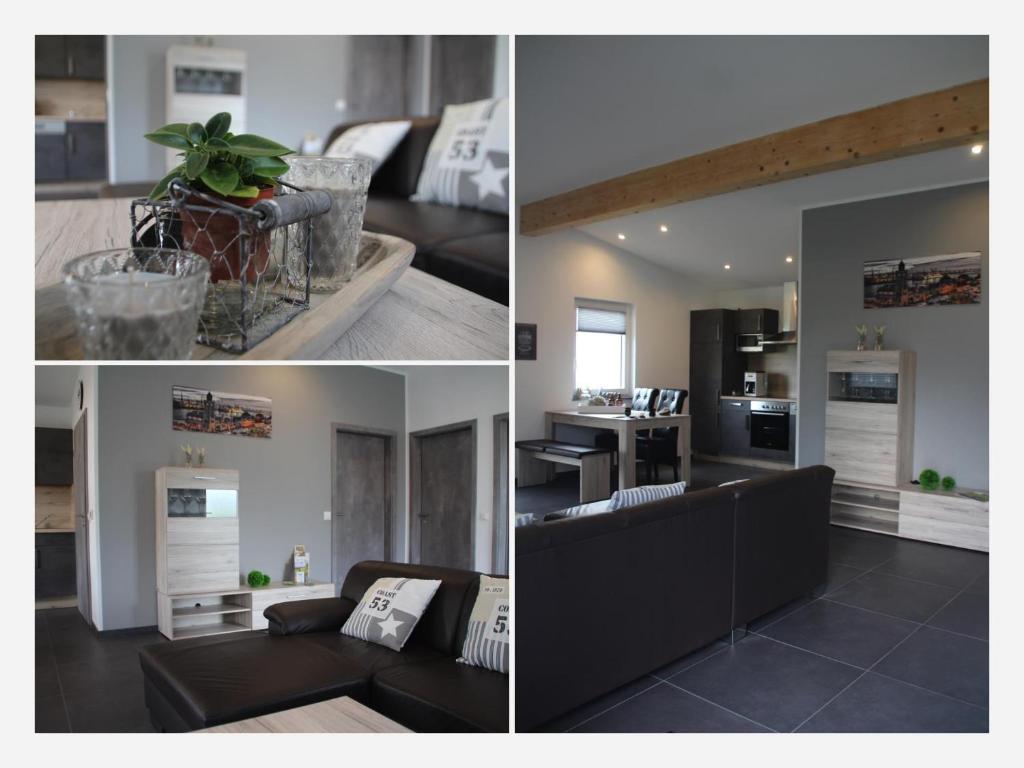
(201,502)
(863,387)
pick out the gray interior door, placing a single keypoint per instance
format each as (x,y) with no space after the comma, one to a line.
(362,504)
(443,495)
(80,497)
(499,558)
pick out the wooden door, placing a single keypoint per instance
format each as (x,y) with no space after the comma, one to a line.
(499,555)
(363,499)
(442,467)
(80,497)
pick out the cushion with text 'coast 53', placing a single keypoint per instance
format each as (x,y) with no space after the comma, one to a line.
(487,636)
(390,610)
(467,162)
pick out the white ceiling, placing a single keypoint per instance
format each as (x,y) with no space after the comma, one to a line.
(590,108)
(55,385)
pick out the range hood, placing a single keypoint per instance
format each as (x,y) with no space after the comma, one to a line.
(790,306)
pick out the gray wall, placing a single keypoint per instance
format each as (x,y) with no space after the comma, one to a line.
(294,82)
(285,481)
(951,419)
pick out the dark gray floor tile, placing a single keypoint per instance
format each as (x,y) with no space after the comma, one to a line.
(770,683)
(875,704)
(666,709)
(102,674)
(848,634)
(50,715)
(689,660)
(838,575)
(47,682)
(860,551)
(967,614)
(936,564)
(980,585)
(942,662)
(770,618)
(114,712)
(598,705)
(895,596)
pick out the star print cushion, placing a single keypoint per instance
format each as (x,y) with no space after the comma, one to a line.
(486,643)
(467,163)
(389,611)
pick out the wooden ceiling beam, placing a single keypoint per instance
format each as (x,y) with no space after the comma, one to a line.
(931,121)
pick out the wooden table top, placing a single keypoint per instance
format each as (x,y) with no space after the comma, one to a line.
(341,715)
(421,318)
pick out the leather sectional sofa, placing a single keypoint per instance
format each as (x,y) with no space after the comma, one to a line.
(303,658)
(602,600)
(461,245)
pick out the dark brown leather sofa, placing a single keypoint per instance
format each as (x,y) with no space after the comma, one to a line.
(461,245)
(604,599)
(303,658)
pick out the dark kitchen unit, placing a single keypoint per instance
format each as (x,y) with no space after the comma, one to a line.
(55,546)
(71,115)
(716,369)
(742,375)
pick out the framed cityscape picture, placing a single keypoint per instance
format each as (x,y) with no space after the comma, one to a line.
(953,278)
(220,413)
(526,341)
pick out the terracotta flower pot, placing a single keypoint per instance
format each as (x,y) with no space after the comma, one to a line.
(215,236)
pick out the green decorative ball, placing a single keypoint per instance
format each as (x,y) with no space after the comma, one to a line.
(948,483)
(256,579)
(266,579)
(929,479)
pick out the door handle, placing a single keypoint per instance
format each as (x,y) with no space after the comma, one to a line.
(70,141)
(718,332)
(71,65)
(748,423)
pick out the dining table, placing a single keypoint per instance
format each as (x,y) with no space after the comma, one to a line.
(626,428)
(420,317)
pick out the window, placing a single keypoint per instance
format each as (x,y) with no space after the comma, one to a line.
(604,351)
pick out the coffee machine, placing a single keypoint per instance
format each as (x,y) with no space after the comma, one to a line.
(755,384)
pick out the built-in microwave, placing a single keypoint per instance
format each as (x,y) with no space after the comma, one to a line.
(749,342)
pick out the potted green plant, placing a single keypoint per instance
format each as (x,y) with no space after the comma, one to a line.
(241,169)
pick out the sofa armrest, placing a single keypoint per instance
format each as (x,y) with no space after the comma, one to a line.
(298,616)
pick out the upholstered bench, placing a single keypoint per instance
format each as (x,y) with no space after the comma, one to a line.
(594,464)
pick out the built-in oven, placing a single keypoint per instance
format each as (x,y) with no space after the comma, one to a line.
(769,425)
(750,342)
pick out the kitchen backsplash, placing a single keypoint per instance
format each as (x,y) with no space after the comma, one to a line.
(781,367)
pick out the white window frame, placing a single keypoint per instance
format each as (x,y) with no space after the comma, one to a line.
(629,353)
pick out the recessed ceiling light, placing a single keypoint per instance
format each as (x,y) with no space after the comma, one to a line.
(728,266)
(977,149)
(789,259)
(663,228)
(621,236)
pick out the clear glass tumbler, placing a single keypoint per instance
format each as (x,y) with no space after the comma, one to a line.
(336,233)
(137,303)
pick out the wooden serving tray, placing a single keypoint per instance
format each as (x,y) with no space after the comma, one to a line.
(382,260)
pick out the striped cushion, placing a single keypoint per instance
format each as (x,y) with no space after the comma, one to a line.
(591,508)
(631,497)
(389,611)
(487,636)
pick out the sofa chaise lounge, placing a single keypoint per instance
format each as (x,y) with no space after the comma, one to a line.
(303,658)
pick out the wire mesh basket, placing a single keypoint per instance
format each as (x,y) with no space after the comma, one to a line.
(252,246)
